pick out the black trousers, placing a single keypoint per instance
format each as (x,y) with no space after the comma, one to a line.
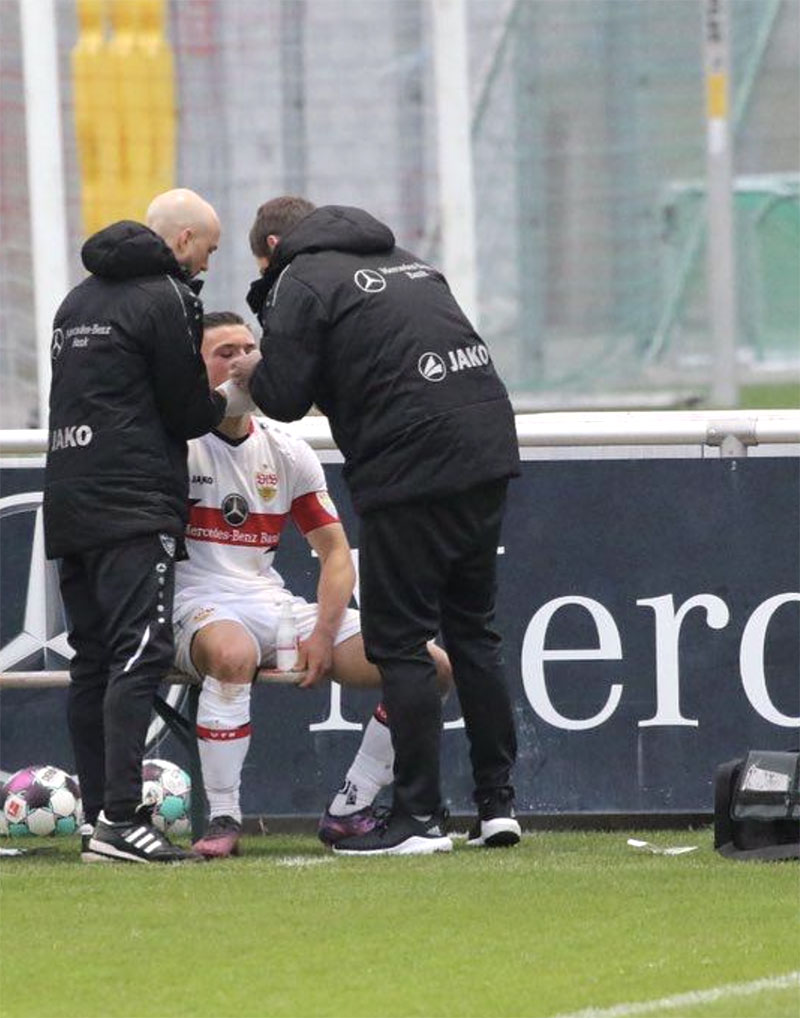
(118,602)
(426,567)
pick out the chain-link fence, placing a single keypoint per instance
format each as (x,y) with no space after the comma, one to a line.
(588,144)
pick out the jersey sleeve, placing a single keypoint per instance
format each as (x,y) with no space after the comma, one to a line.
(311,506)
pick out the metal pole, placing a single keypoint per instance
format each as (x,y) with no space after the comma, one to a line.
(720,250)
(293,101)
(456,187)
(45,179)
(530,187)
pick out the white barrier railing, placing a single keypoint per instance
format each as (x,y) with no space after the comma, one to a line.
(54,679)
(635,427)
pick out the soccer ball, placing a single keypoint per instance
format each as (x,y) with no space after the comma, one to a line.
(40,800)
(168,789)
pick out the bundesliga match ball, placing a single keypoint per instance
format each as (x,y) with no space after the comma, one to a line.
(168,789)
(40,800)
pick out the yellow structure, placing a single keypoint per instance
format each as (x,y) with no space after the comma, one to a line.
(125,118)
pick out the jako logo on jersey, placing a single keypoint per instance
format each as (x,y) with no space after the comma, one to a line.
(369,280)
(235,509)
(468,357)
(70,438)
(431,367)
(202,479)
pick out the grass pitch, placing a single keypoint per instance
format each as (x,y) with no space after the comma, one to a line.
(563,923)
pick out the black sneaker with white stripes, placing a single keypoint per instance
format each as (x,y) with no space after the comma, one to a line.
(399,834)
(496,825)
(135,840)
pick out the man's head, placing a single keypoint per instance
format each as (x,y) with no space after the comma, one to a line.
(225,336)
(188,225)
(273,219)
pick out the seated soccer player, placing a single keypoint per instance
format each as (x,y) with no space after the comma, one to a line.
(247,479)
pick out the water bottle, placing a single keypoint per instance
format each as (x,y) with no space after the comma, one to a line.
(286,640)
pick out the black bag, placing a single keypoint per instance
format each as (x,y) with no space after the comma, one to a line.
(757,806)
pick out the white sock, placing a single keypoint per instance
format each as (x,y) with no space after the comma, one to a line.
(371,770)
(223,738)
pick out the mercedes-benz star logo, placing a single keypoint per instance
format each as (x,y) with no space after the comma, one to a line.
(42,640)
(369,280)
(235,509)
(431,367)
(56,343)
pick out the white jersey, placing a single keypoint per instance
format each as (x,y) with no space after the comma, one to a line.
(242,493)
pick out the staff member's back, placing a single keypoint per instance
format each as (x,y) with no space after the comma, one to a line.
(129,388)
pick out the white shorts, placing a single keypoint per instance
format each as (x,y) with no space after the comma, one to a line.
(256,611)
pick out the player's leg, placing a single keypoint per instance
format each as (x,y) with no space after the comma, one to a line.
(373,765)
(226,655)
(351,667)
(350,811)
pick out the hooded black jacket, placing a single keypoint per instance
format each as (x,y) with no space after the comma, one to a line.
(129,388)
(376,339)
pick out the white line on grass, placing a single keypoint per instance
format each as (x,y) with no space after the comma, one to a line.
(303,860)
(688,999)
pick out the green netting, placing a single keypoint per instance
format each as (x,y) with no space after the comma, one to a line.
(590,154)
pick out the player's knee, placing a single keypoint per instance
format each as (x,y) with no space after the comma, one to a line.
(229,661)
(232,664)
(225,651)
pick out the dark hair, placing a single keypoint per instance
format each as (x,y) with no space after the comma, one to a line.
(216,319)
(274,218)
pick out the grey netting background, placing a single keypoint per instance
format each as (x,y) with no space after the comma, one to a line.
(588,137)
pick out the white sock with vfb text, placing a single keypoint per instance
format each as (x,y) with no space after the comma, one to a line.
(371,770)
(223,738)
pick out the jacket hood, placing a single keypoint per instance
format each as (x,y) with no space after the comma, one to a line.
(126,250)
(331,228)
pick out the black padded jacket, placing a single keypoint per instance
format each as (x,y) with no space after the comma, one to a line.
(375,338)
(129,388)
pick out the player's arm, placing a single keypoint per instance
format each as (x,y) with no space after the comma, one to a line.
(284,382)
(335,588)
(186,404)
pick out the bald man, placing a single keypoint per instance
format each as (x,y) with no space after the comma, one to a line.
(188,224)
(129,388)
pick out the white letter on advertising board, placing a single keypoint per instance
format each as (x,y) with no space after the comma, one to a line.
(534,655)
(668,632)
(751,661)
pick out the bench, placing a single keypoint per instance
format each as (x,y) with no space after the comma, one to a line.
(182,727)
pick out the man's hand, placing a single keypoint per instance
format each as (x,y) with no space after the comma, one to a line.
(315,658)
(241,368)
(238,400)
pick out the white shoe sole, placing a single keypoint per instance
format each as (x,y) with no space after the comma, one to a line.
(497,833)
(94,857)
(411,846)
(108,853)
